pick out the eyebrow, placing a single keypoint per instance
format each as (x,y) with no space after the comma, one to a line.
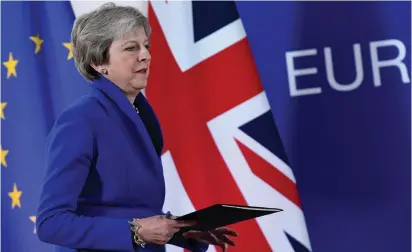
(135,42)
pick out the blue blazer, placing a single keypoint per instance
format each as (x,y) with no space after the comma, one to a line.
(103,167)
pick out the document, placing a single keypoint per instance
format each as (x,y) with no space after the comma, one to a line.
(220,215)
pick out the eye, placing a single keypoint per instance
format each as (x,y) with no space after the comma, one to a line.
(131,48)
(147,46)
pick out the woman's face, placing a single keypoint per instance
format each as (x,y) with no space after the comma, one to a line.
(130,61)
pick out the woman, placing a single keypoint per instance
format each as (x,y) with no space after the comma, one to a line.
(104,186)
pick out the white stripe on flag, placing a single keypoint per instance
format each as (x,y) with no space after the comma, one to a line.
(177,200)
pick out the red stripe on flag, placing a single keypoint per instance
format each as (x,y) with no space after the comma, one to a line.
(184,103)
(270,174)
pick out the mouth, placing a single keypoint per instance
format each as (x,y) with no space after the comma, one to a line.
(142,71)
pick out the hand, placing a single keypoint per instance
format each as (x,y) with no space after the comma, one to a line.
(159,229)
(216,237)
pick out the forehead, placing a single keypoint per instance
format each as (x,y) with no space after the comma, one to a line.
(138,36)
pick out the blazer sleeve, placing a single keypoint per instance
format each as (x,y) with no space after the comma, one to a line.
(69,156)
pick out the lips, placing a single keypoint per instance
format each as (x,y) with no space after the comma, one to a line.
(143,70)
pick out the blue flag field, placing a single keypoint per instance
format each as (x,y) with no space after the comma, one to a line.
(38,80)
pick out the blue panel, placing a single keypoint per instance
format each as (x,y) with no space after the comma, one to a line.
(209,16)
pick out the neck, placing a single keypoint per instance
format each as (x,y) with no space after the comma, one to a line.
(132,96)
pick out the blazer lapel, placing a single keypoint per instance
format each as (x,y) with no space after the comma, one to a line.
(150,121)
(115,94)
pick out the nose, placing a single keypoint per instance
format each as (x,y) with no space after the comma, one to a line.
(144,55)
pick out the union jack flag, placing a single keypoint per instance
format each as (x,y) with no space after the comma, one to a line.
(221,142)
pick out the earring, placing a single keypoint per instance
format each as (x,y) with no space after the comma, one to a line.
(104,71)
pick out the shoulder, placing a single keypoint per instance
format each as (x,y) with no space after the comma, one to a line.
(83,112)
(72,134)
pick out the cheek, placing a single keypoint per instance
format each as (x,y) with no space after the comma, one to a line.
(129,63)
(123,65)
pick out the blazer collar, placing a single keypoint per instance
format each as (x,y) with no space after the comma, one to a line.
(116,95)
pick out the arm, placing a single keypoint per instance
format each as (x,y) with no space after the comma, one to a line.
(69,154)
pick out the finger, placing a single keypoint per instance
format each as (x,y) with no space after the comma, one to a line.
(166,238)
(169,237)
(226,240)
(161,241)
(174,230)
(226,231)
(209,238)
(192,234)
(178,224)
(214,238)
(171,232)
(224,247)
(204,241)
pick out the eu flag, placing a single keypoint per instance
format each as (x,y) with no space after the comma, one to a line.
(39,79)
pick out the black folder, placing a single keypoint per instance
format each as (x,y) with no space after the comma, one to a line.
(220,215)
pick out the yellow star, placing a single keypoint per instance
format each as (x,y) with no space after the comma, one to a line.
(11,66)
(33,219)
(2,106)
(37,41)
(3,154)
(15,197)
(69,46)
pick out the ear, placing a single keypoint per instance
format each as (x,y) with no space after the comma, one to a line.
(100,69)
(97,68)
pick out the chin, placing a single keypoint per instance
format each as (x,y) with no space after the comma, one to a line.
(139,86)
